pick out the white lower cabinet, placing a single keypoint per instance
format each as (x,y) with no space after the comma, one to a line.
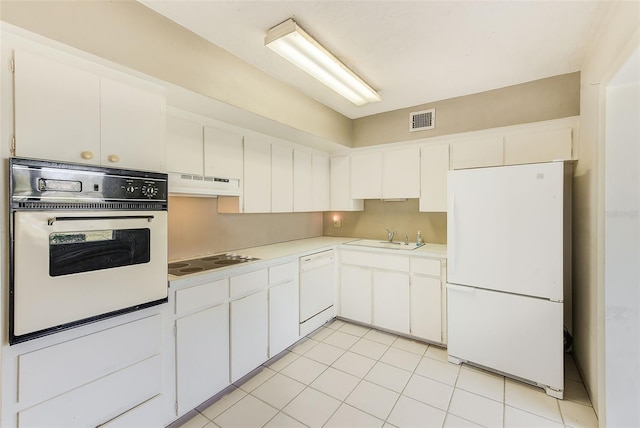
(283,306)
(88,379)
(355,293)
(283,316)
(394,292)
(201,342)
(426,307)
(249,333)
(202,356)
(391,300)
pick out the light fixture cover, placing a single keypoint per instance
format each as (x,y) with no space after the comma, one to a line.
(298,47)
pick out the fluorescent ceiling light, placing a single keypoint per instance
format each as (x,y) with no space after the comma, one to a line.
(297,46)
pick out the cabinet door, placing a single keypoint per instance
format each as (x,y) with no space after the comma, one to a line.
(341,186)
(57,110)
(222,154)
(401,173)
(391,300)
(321,183)
(433,176)
(477,153)
(366,176)
(132,123)
(184,146)
(202,356)
(281,179)
(257,176)
(283,317)
(302,181)
(426,308)
(542,146)
(249,333)
(355,293)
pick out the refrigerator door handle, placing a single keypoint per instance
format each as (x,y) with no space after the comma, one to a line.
(451,257)
(462,288)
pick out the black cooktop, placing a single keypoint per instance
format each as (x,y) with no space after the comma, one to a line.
(201,264)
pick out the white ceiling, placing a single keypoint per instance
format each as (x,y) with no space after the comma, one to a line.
(412,52)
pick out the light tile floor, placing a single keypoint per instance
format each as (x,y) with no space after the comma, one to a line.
(347,376)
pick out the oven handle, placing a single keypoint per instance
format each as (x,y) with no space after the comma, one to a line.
(117,217)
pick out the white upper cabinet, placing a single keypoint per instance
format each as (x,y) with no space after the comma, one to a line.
(475,153)
(302,181)
(223,154)
(514,147)
(401,173)
(340,189)
(131,126)
(321,183)
(184,146)
(257,175)
(541,146)
(65,113)
(434,170)
(281,179)
(366,180)
(196,149)
(57,110)
(386,174)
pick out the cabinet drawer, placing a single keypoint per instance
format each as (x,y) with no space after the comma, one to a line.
(283,273)
(248,282)
(376,260)
(147,415)
(99,401)
(54,370)
(425,266)
(209,294)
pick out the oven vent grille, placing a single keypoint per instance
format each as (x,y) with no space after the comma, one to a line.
(421,120)
(151,206)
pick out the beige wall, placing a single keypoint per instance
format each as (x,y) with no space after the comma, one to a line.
(588,286)
(400,217)
(552,98)
(130,34)
(196,228)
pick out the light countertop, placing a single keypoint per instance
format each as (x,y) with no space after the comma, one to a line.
(299,247)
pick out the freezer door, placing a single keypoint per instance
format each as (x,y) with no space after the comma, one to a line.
(516,335)
(505,229)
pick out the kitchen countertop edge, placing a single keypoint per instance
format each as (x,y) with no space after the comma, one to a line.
(292,250)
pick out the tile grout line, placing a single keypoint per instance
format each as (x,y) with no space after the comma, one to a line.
(413,373)
(362,378)
(453,392)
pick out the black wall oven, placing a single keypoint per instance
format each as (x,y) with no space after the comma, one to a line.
(87,243)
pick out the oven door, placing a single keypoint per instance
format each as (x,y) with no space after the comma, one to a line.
(76,267)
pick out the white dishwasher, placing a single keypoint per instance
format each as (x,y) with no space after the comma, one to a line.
(317,290)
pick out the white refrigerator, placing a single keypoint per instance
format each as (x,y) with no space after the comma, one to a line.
(509,268)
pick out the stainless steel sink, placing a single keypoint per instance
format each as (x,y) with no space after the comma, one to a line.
(393,245)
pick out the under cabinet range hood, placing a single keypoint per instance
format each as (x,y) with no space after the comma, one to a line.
(203,186)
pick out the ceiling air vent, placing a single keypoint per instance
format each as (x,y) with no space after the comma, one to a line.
(421,120)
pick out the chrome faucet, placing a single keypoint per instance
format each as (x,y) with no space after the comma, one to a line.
(406,240)
(390,235)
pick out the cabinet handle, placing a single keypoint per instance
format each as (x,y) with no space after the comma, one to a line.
(113,158)
(87,155)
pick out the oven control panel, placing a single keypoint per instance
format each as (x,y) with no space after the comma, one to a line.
(142,189)
(49,183)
